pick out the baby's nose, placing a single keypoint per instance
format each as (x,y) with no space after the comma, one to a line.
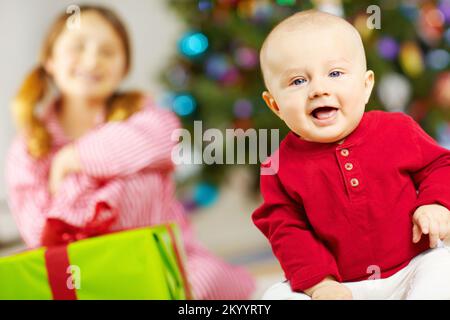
(318,93)
(317,89)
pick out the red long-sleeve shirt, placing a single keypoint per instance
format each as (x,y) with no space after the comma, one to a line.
(345,210)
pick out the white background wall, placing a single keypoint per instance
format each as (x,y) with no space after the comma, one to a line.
(153,27)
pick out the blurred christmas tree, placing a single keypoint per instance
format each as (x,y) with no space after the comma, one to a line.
(215,77)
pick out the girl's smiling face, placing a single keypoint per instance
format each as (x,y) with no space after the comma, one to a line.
(317,80)
(90,61)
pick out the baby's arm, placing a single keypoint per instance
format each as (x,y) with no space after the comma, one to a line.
(431,174)
(304,258)
(126,147)
(431,171)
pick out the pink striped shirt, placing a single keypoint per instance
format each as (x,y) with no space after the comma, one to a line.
(128,165)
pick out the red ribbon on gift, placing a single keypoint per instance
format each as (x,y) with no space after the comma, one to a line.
(57,235)
(57,232)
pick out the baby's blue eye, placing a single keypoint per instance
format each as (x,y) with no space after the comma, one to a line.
(298,82)
(335,74)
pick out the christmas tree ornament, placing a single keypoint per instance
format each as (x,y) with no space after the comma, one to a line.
(394,91)
(442,90)
(231,77)
(418,110)
(430,24)
(447,36)
(217,66)
(245,9)
(262,11)
(193,44)
(438,59)
(286,2)
(444,7)
(387,47)
(411,59)
(184,104)
(246,58)
(409,11)
(443,134)
(205,194)
(205,5)
(243,109)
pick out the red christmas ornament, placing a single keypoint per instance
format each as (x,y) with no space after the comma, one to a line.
(442,90)
(418,110)
(431,23)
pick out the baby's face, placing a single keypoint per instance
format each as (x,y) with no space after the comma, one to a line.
(317,81)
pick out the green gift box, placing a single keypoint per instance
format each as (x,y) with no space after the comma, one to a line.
(144,263)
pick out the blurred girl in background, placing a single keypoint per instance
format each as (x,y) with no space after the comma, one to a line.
(90,144)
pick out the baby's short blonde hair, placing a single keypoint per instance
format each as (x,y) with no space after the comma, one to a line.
(308,19)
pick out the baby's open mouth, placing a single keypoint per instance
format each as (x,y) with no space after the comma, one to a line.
(325,112)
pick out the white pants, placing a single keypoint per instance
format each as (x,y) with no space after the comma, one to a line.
(427,276)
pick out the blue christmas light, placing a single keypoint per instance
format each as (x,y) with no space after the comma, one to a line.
(217,66)
(438,59)
(447,36)
(204,5)
(443,135)
(262,11)
(193,44)
(205,194)
(184,105)
(409,11)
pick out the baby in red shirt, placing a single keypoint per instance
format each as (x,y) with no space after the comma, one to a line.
(359,205)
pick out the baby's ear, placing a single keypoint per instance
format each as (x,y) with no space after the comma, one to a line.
(271,103)
(369,81)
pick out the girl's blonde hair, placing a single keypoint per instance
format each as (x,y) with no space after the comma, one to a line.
(35,87)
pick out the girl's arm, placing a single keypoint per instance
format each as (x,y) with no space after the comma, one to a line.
(28,195)
(31,202)
(123,148)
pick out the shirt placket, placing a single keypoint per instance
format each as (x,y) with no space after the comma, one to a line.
(351,171)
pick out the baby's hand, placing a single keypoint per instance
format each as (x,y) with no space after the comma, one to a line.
(433,220)
(329,289)
(332,291)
